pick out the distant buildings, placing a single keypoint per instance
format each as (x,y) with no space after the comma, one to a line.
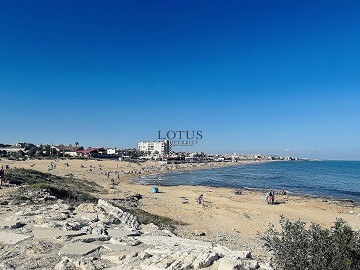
(91,152)
(112,151)
(10,149)
(146,150)
(70,150)
(155,148)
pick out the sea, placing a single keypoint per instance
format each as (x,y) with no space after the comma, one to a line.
(331,179)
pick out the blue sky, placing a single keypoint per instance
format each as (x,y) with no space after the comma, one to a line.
(273,77)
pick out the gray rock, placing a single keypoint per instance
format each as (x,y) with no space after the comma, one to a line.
(237,264)
(205,259)
(88,238)
(130,241)
(78,248)
(88,263)
(124,217)
(126,257)
(265,266)
(121,233)
(122,247)
(12,238)
(166,241)
(53,234)
(11,224)
(5,266)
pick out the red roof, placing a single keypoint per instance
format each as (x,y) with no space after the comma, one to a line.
(90,150)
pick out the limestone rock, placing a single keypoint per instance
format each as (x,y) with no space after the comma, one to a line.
(237,264)
(122,233)
(125,241)
(11,224)
(265,266)
(205,259)
(87,263)
(126,256)
(88,238)
(12,238)
(5,266)
(124,217)
(78,248)
(88,208)
(53,234)
(95,228)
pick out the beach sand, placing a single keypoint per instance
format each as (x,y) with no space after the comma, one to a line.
(235,221)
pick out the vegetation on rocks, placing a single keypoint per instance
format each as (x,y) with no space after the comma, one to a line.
(67,188)
(314,248)
(144,217)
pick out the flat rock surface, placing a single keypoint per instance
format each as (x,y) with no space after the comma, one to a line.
(55,238)
(121,233)
(157,240)
(89,216)
(87,238)
(12,238)
(53,233)
(118,247)
(11,224)
(78,248)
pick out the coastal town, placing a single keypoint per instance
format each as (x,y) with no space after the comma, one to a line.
(161,151)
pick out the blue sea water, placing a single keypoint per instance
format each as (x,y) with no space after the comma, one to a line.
(336,179)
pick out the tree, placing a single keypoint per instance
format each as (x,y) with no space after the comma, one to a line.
(32,151)
(20,154)
(76,144)
(47,150)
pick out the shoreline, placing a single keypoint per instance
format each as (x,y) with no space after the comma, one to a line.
(131,178)
(225,218)
(334,199)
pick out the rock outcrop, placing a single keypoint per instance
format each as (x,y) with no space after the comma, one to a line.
(102,236)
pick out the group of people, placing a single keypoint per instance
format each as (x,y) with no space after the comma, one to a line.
(270,197)
(51,166)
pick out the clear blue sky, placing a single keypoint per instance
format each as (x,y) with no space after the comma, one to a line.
(273,77)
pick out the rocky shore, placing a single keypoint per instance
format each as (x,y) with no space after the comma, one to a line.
(47,216)
(53,234)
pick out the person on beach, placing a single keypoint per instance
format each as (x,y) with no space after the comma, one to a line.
(269,197)
(200,199)
(272,197)
(2,176)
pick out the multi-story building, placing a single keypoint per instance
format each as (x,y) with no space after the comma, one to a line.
(161,148)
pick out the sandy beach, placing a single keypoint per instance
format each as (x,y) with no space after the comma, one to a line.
(235,221)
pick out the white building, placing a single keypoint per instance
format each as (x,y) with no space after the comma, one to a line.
(112,151)
(155,148)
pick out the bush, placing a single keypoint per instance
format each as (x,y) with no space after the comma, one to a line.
(66,188)
(315,248)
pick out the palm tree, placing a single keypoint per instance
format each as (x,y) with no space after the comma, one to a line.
(76,144)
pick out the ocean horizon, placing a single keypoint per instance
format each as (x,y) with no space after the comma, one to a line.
(331,178)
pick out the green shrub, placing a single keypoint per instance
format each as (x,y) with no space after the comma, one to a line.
(66,188)
(147,218)
(314,248)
